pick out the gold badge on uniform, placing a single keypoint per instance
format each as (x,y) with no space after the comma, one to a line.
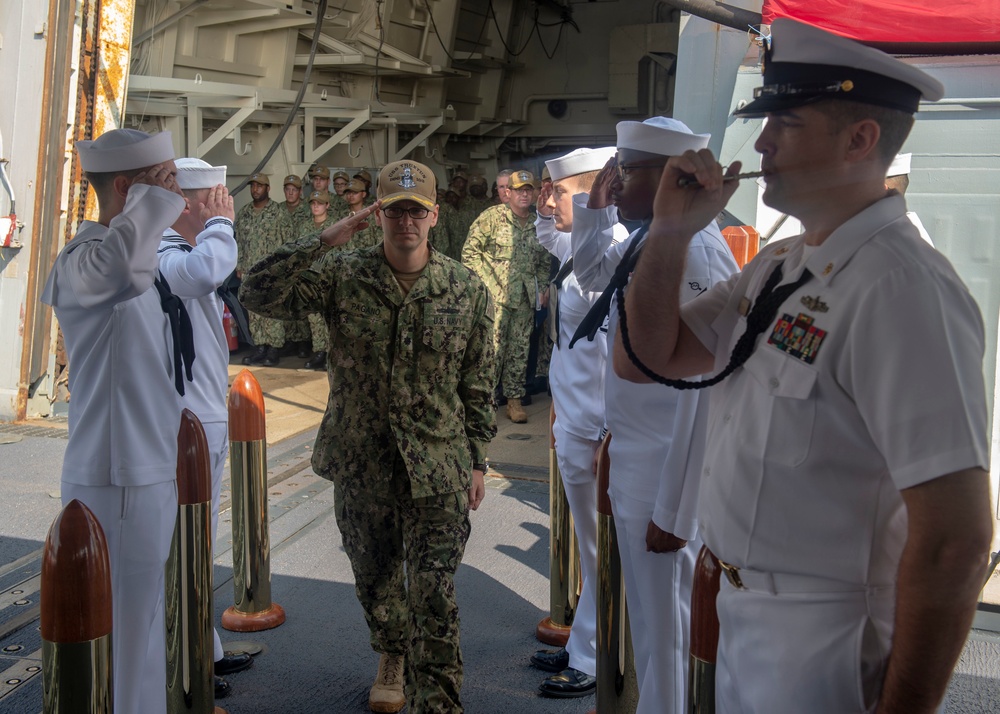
(815,303)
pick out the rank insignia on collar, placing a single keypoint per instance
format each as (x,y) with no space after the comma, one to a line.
(798,337)
(828,269)
(781,251)
(815,304)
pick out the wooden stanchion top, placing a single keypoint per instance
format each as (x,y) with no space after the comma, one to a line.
(194,466)
(704,618)
(604,477)
(76,578)
(246,409)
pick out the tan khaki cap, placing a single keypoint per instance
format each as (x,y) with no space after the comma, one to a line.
(477,181)
(261,179)
(321,171)
(407,180)
(356,185)
(341,175)
(521,178)
(321,196)
(292,179)
(364,176)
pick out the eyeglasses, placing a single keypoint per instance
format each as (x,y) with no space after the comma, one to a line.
(414,212)
(523,189)
(623,169)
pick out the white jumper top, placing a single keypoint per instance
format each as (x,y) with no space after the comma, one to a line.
(125,412)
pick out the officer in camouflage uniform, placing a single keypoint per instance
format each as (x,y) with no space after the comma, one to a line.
(296,207)
(261,226)
(355,198)
(459,219)
(502,250)
(408,419)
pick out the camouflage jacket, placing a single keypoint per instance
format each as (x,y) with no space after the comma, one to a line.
(457,223)
(258,234)
(506,255)
(409,375)
(299,213)
(366,238)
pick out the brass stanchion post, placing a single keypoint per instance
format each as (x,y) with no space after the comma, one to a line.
(704,633)
(253,610)
(76,616)
(188,608)
(617,688)
(564,557)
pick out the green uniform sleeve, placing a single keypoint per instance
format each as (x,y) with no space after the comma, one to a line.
(476,386)
(289,284)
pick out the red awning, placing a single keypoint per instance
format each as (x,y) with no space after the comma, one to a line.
(896,21)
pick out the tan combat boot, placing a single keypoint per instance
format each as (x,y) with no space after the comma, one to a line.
(515,412)
(387,691)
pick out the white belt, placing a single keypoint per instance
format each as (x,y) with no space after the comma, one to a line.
(775,583)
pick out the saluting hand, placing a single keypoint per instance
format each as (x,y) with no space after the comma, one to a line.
(160,175)
(219,203)
(600,192)
(343,230)
(659,541)
(543,199)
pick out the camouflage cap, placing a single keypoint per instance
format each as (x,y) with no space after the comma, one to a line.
(341,175)
(262,179)
(321,171)
(460,175)
(356,185)
(521,178)
(477,181)
(292,179)
(321,196)
(407,181)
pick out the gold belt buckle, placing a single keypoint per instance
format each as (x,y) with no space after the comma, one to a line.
(732,575)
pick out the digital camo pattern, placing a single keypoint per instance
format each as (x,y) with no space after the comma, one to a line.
(513,341)
(257,234)
(457,224)
(503,251)
(410,410)
(299,213)
(409,374)
(423,626)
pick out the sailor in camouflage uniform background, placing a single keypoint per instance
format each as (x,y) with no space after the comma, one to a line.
(261,226)
(502,250)
(408,420)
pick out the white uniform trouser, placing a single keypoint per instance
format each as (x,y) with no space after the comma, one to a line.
(575,457)
(138,524)
(217,436)
(793,652)
(658,592)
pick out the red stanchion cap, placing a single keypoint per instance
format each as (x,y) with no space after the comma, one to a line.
(246,409)
(76,578)
(194,468)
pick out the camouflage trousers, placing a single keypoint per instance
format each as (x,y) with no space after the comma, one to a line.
(320,332)
(404,552)
(297,330)
(266,331)
(512,339)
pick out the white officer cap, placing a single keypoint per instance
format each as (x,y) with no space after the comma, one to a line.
(195,173)
(900,166)
(804,64)
(579,161)
(123,150)
(660,135)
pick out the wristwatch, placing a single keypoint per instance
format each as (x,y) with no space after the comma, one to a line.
(480,467)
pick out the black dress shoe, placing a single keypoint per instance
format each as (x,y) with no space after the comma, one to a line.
(222,688)
(233,662)
(567,684)
(317,361)
(551,660)
(257,356)
(271,358)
